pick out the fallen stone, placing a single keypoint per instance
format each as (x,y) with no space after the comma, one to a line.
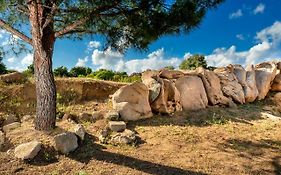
(28,150)
(131,102)
(80,131)
(124,138)
(270,116)
(112,116)
(11,126)
(192,93)
(117,126)
(66,142)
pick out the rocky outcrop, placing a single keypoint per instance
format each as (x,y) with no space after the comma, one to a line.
(265,74)
(14,77)
(230,85)
(213,87)
(132,102)
(170,74)
(151,80)
(276,86)
(192,93)
(27,150)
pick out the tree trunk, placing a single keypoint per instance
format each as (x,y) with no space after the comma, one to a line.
(43,39)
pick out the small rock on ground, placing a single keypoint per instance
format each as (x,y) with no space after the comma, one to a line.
(117,126)
(80,131)
(28,150)
(112,115)
(126,137)
(11,126)
(66,142)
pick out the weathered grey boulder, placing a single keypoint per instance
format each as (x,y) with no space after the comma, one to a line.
(251,92)
(117,126)
(192,93)
(170,74)
(131,102)
(2,139)
(66,142)
(80,131)
(14,77)
(213,87)
(276,86)
(28,150)
(112,115)
(265,74)
(160,103)
(126,137)
(151,80)
(11,126)
(230,85)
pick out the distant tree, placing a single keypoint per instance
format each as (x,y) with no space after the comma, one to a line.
(29,72)
(61,72)
(170,67)
(3,69)
(80,71)
(124,23)
(104,74)
(193,62)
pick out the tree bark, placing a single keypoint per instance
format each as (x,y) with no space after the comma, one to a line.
(43,39)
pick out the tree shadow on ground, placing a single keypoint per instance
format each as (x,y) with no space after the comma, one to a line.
(245,114)
(89,150)
(256,149)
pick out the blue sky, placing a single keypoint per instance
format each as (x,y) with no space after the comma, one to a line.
(238,31)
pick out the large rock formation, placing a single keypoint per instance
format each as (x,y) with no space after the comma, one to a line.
(151,80)
(213,87)
(192,93)
(230,85)
(132,102)
(265,74)
(276,86)
(251,92)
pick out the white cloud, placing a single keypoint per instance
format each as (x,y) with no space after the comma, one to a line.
(259,9)
(27,60)
(267,48)
(240,36)
(114,60)
(236,14)
(94,44)
(11,60)
(82,62)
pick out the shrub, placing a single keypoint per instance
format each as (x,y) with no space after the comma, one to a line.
(3,69)
(193,62)
(61,72)
(80,71)
(104,74)
(29,72)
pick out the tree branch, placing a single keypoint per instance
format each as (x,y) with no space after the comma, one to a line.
(14,31)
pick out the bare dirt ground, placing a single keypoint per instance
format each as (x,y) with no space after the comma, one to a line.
(212,141)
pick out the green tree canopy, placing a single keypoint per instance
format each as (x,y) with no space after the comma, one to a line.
(3,69)
(193,62)
(80,71)
(61,71)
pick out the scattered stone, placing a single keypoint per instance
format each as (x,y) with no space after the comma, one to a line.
(14,77)
(2,139)
(28,150)
(265,74)
(112,116)
(270,116)
(124,138)
(80,131)
(117,126)
(27,118)
(11,126)
(70,117)
(131,102)
(66,142)
(11,118)
(192,93)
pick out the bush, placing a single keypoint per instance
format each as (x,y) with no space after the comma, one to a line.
(61,72)
(80,71)
(29,72)
(104,74)
(3,69)
(193,62)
